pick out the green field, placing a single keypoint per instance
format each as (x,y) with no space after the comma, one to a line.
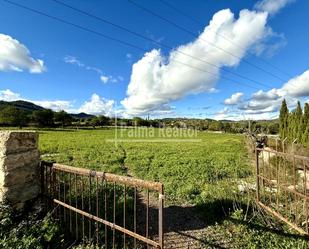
(189,170)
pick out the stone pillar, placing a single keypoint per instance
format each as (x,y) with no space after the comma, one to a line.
(19,167)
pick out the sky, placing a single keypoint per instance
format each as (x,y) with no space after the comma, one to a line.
(226,59)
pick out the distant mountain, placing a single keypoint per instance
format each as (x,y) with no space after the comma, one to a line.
(30,107)
(82,115)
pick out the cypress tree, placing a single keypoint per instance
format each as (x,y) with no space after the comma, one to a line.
(298,123)
(305,137)
(283,120)
(306,114)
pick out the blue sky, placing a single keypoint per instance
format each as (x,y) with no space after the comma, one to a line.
(63,67)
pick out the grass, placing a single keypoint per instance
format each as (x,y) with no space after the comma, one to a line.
(189,170)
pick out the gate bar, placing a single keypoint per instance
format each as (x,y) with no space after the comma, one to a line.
(110,224)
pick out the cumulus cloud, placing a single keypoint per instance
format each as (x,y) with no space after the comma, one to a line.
(56,105)
(265,96)
(8,95)
(98,106)
(271,6)
(234,99)
(14,56)
(298,86)
(266,104)
(157,80)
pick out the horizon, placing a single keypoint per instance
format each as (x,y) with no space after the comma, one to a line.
(224,60)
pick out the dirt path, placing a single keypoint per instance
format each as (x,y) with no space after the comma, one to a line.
(183,228)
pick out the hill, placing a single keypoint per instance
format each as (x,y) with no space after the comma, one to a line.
(31,107)
(21,104)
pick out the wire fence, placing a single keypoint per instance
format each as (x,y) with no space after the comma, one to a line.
(282,186)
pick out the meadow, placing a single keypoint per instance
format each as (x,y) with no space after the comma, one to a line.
(203,174)
(189,170)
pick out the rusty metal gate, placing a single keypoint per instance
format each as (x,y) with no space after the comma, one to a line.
(282,186)
(103,209)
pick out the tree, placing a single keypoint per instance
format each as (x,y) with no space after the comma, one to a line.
(215,126)
(298,122)
(283,120)
(63,118)
(273,127)
(44,118)
(13,116)
(305,136)
(137,121)
(306,114)
(103,120)
(94,122)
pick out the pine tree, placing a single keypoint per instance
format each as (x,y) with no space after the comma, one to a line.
(283,120)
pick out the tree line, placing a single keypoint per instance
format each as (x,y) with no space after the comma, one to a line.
(295,124)
(13,116)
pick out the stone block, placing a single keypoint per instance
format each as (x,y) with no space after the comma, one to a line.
(19,167)
(17,141)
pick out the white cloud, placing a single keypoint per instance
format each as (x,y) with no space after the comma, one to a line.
(234,99)
(56,105)
(264,96)
(8,95)
(266,104)
(225,113)
(104,79)
(271,6)
(298,86)
(73,60)
(99,71)
(15,56)
(97,106)
(269,44)
(157,80)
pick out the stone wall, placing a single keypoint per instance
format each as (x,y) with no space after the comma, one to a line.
(19,167)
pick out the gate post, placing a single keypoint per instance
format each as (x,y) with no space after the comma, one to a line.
(161,224)
(19,167)
(257,175)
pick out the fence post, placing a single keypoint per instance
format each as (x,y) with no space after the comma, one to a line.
(161,225)
(257,175)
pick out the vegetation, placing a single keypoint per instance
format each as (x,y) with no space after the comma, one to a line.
(13,116)
(295,124)
(31,231)
(214,159)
